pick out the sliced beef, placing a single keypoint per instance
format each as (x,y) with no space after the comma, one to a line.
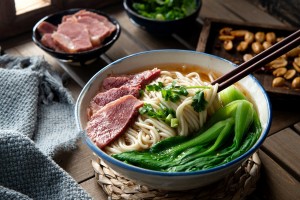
(78,32)
(103,98)
(100,18)
(114,82)
(46,27)
(72,37)
(112,120)
(139,80)
(63,42)
(48,41)
(97,30)
(67,17)
(144,78)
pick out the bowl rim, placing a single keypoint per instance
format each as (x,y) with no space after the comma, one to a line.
(116,33)
(131,11)
(108,158)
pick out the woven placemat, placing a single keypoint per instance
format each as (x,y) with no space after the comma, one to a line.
(236,186)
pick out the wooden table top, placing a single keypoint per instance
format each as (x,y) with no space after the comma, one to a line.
(280,153)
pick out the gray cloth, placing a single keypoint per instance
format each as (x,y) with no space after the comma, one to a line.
(36,122)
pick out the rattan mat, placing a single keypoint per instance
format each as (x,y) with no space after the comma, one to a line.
(236,186)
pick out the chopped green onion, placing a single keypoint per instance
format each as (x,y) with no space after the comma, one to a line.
(174,122)
(164,113)
(168,118)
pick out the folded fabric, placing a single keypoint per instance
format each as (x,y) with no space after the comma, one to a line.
(36,122)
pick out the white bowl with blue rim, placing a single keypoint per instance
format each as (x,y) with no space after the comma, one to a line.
(173,180)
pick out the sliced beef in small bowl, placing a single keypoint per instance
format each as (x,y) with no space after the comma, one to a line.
(76,34)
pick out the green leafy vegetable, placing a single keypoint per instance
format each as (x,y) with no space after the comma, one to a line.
(166,114)
(230,94)
(199,101)
(173,92)
(165,9)
(155,87)
(229,133)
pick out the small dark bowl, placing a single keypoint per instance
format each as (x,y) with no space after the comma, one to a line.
(159,27)
(80,57)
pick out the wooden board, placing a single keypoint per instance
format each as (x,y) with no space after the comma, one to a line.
(282,118)
(94,189)
(209,42)
(284,148)
(275,182)
(77,162)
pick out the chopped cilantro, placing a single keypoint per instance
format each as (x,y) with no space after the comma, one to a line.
(199,101)
(172,92)
(163,113)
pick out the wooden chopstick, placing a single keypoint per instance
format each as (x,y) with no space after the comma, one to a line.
(259,60)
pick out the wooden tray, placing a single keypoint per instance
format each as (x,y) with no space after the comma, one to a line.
(208,42)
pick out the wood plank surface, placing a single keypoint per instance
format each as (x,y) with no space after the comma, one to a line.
(94,189)
(123,47)
(77,162)
(280,119)
(249,12)
(275,182)
(82,73)
(216,10)
(284,148)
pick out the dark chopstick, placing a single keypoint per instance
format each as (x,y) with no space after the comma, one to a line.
(259,60)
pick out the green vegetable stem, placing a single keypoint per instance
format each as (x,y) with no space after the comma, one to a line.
(229,133)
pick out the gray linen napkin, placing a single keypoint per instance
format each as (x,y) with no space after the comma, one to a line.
(36,122)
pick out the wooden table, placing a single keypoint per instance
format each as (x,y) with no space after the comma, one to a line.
(280,153)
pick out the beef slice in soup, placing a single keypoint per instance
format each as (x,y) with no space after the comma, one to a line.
(137,80)
(114,82)
(112,120)
(144,78)
(103,98)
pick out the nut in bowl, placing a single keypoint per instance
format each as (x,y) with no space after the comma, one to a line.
(163,18)
(175,135)
(76,35)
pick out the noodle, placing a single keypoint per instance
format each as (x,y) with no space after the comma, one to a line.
(147,131)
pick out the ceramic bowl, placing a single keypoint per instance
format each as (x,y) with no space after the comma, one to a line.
(170,180)
(159,27)
(80,57)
